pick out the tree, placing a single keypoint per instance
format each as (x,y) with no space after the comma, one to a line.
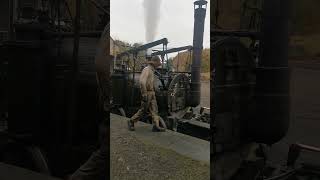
(182,62)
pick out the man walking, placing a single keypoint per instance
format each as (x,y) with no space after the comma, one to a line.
(148,102)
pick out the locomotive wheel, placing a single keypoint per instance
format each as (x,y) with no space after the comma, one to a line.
(178,93)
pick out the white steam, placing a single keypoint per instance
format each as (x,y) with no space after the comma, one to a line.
(151,18)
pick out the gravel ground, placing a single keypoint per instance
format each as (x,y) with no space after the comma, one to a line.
(132,158)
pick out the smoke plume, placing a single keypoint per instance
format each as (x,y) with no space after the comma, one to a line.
(151,18)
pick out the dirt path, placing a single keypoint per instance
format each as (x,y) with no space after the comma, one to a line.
(132,158)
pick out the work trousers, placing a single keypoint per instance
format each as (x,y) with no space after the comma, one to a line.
(148,106)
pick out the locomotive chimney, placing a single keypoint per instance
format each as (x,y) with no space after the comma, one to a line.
(200,7)
(272,114)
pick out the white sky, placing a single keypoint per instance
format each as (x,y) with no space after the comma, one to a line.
(176,22)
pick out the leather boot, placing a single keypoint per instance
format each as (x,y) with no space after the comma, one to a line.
(130,125)
(157,128)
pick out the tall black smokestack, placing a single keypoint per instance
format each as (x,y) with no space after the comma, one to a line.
(200,8)
(272,90)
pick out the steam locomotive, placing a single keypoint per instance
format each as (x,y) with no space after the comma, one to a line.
(52,109)
(251,99)
(177,93)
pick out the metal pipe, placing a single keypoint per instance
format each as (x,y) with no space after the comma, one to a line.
(74,75)
(11,28)
(162,56)
(172,50)
(251,34)
(199,19)
(145,47)
(54,71)
(152,44)
(59,29)
(178,61)
(167,59)
(133,77)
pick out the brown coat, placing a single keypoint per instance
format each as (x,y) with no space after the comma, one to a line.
(147,89)
(147,80)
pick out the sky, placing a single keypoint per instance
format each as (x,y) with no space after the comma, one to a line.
(176,22)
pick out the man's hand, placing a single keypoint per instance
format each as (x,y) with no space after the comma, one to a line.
(144,97)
